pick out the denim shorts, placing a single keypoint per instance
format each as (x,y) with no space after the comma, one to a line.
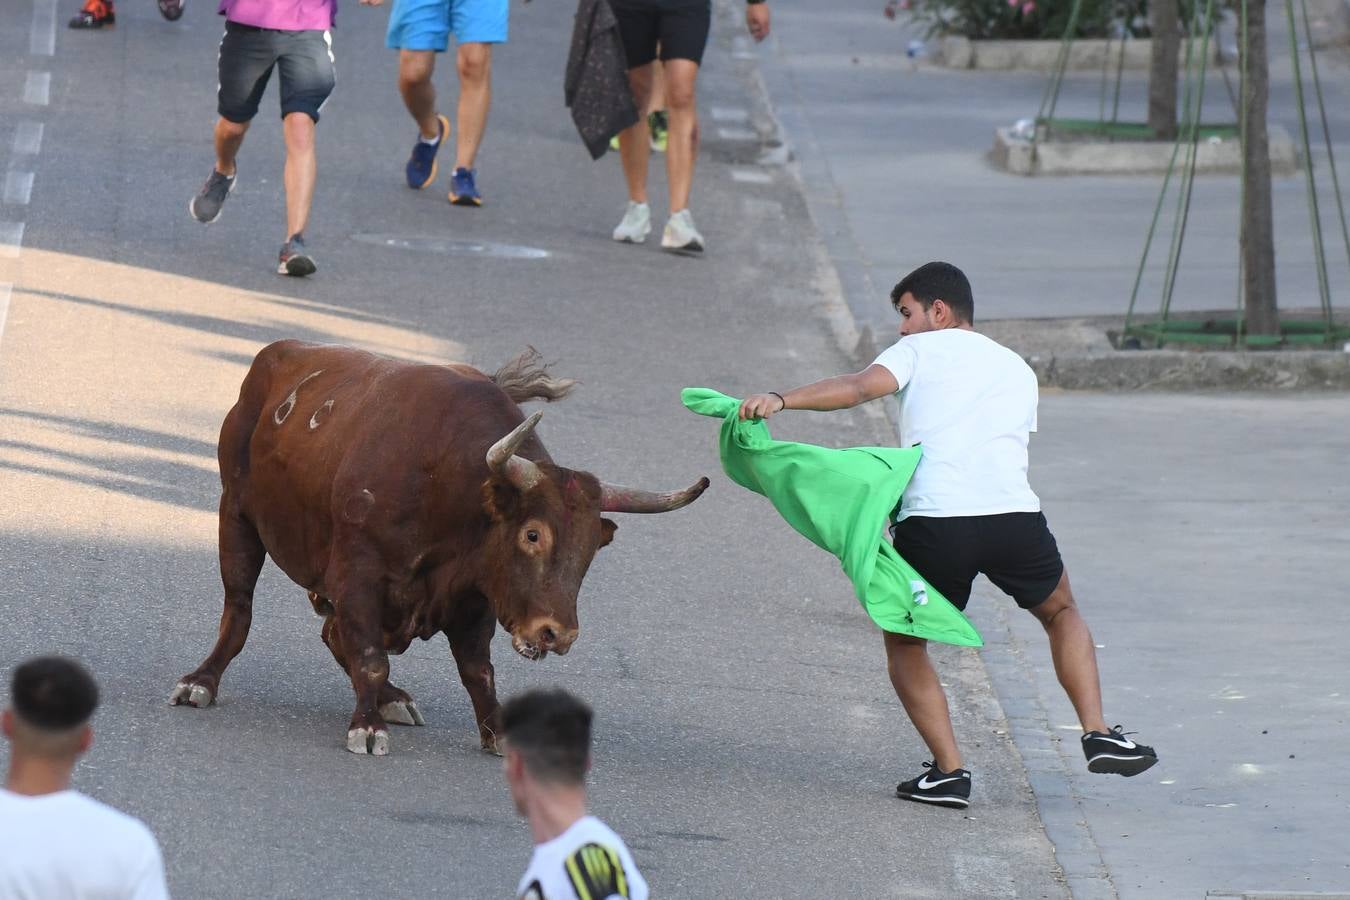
(428,24)
(303,60)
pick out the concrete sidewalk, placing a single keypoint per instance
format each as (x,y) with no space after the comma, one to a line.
(892,154)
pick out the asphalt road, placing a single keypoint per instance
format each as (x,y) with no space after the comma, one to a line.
(747,740)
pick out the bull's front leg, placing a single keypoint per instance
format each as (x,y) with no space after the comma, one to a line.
(356,621)
(472,648)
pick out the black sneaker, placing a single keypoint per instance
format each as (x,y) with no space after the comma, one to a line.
(937,787)
(294,259)
(1111,752)
(171,9)
(206,206)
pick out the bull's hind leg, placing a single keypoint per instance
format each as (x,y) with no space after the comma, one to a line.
(396,704)
(472,647)
(241,560)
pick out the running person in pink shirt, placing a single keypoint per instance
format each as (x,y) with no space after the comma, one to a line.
(293,38)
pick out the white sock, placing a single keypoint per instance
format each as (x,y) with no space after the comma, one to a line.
(430,143)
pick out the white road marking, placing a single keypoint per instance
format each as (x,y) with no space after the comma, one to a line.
(751,176)
(42,37)
(18,187)
(737,134)
(28,139)
(37,89)
(11,239)
(5,289)
(729,114)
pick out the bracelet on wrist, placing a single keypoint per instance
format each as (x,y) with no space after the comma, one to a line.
(782,403)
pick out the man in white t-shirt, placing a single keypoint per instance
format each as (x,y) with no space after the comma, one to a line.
(56,843)
(970,404)
(547,755)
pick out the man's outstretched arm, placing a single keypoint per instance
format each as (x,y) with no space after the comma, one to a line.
(839,392)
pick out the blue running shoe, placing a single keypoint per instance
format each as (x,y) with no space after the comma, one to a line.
(463,192)
(421,169)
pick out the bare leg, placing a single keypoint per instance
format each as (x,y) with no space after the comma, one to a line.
(656,100)
(471,646)
(682,140)
(241,559)
(916,683)
(634,142)
(1074,654)
(415,68)
(229,137)
(474,62)
(301,168)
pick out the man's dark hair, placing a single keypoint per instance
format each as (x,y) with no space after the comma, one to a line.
(551,730)
(53,693)
(938,281)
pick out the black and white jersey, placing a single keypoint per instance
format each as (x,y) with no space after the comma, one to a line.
(586,862)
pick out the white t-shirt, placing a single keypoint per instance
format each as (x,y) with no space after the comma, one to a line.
(588,854)
(66,846)
(971,403)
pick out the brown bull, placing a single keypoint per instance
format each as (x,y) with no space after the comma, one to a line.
(408,500)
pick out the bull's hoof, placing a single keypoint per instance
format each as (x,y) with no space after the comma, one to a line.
(402,712)
(374,741)
(489,745)
(187,694)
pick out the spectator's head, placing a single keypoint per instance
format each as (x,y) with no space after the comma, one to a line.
(547,742)
(935,295)
(50,701)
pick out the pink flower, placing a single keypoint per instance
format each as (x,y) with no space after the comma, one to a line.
(1028,8)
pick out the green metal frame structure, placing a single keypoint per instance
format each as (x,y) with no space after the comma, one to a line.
(1191,130)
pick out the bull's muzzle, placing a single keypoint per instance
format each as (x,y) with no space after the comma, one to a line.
(541,638)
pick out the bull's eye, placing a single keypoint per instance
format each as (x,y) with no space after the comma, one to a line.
(532,536)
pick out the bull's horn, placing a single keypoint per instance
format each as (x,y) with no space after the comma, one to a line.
(502,459)
(614,498)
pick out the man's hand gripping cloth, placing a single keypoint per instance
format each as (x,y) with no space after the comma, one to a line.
(840,500)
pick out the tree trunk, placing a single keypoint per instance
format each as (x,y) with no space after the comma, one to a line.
(1257,238)
(1162,76)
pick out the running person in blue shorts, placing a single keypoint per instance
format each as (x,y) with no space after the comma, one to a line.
(418,30)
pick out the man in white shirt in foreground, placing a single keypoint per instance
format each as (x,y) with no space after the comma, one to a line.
(547,755)
(56,843)
(970,403)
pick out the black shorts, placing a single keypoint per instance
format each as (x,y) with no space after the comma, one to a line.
(304,60)
(1016,551)
(679,27)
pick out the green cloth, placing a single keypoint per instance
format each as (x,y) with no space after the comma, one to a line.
(840,500)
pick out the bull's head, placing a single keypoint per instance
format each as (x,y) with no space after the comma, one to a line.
(545,529)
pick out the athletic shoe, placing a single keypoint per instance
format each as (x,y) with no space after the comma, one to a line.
(680,235)
(206,206)
(658,123)
(172,9)
(294,259)
(421,168)
(463,192)
(636,224)
(1111,752)
(95,14)
(937,787)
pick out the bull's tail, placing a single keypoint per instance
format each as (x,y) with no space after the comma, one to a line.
(527,378)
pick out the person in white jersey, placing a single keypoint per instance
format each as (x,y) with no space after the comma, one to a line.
(56,843)
(547,755)
(970,404)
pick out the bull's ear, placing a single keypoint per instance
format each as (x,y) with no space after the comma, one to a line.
(500,500)
(607,529)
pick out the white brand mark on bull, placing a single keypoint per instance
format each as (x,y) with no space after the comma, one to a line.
(289,403)
(314,419)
